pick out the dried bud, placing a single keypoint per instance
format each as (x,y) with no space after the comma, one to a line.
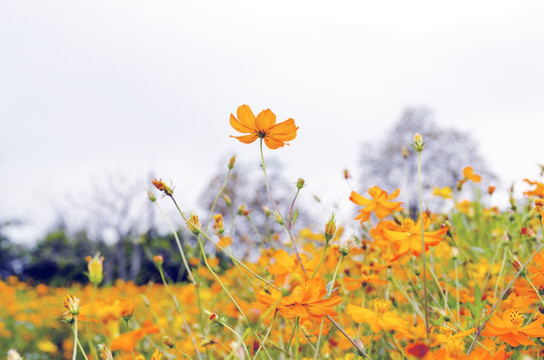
(347,246)
(194,224)
(104,352)
(405,152)
(330,228)
(515,262)
(243,211)
(218,223)
(71,304)
(161,186)
(167,340)
(232,161)
(300,183)
(158,259)
(347,175)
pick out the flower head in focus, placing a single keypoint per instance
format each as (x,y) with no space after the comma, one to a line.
(263,126)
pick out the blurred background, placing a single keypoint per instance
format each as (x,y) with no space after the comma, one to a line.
(98,97)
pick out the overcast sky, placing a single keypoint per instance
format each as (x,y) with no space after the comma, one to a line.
(94,88)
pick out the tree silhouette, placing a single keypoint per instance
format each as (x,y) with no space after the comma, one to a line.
(446,153)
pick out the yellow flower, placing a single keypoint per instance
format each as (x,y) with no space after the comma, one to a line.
(444,192)
(95,267)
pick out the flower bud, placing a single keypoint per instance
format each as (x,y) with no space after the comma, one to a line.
(300,183)
(330,228)
(167,340)
(158,259)
(127,309)
(194,224)
(491,190)
(95,268)
(104,352)
(405,152)
(418,143)
(151,196)
(227,199)
(231,162)
(71,304)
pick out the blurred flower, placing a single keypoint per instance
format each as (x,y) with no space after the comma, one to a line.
(444,192)
(380,203)
(468,174)
(263,126)
(95,268)
(538,191)
(127,341)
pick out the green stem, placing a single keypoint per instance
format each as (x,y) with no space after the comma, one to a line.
(355,345)
(217,198)
(297,340)
(318,345)
(285,224)
(176,303)
(240,338)
(74,354)
(88,327)
(261,344)
(423,257)
(81,349)
(320,260)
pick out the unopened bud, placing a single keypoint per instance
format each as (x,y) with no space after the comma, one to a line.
(232,161)
(347,246)
(167,340)
(418,143)
(158,259)
(151,196)
(266,211)
(227,200)
(330,228)
(95,267)
(491,190)
(300,183)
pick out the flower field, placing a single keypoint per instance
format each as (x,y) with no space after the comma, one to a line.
(465,283)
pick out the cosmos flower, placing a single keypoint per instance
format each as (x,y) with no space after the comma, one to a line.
(263,126)
(380,203)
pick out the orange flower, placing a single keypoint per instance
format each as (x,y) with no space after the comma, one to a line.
(307,300)
(289,266)
(379,318)
(407,238)
(381,203)
(538,191)
(127,341)
(263,126)
(510,330)
(468,174)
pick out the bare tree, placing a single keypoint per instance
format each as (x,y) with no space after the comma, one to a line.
(447,152)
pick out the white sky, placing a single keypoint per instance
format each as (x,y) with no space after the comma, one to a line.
(91,88)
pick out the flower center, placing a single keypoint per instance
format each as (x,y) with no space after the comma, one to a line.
(381,306)
(516,318)
(261,134)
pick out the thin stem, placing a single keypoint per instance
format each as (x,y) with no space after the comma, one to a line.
(292,207)
(261,345)
(74,354)
(318,345)
(89,337)
(423,257)
(320,260)
(297,340)
(240,338)
(81,349)
(178,242)
(217,198)
(355,345)
(179,311)
(285,225)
